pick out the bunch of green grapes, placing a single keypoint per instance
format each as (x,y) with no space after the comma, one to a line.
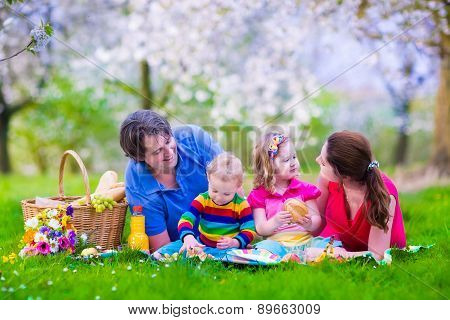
(101,203)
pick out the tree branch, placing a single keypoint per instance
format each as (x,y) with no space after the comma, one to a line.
(22,105)
(165,95)
(17,53)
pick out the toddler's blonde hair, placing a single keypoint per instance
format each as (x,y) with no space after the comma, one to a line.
(227,167)
(263,167)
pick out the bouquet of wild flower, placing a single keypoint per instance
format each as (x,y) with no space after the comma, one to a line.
(50,231)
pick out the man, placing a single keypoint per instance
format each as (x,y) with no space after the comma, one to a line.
(166,171)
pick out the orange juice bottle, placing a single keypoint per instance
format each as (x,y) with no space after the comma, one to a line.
(138,239)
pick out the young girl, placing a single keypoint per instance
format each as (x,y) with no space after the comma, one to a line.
(276,167)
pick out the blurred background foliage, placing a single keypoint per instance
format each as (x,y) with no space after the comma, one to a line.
(234,68)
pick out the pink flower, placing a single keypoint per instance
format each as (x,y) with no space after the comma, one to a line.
(63,243)
(43,248)
(28,250)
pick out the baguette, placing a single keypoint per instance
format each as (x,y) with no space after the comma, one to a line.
(117,185)
(107,180)
(116,194)
(108,187)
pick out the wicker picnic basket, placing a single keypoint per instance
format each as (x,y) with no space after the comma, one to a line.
(103,229)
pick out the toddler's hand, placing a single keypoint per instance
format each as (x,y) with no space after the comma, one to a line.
(227,242)
(282,217)
(190,242)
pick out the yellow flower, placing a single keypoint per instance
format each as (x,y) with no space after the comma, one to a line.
(65,221)
(42,216)
(11,258)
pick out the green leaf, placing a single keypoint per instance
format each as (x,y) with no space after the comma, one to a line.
(48,29)
(11,2)
(31,49)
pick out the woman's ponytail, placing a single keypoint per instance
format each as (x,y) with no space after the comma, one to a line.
(377,198)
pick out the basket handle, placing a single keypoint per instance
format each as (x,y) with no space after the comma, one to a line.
(83,172)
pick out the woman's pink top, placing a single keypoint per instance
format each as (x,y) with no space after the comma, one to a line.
(273,202)
(354,234)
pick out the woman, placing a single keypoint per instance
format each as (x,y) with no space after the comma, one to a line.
(166,171)
(360,203)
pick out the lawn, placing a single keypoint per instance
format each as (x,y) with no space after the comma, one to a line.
(129,276)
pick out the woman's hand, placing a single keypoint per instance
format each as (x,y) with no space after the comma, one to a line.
(227,242)
(282,217)
(190,242)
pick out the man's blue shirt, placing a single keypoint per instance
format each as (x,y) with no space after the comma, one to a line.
(163,207)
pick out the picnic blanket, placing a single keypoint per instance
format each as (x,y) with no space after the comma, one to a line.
(266,258)
(262,257)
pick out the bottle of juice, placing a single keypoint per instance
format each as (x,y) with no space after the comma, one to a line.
(138,239)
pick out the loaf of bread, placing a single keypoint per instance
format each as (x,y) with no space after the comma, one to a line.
(116,194)
(107,181)
(296,208)
(108,187)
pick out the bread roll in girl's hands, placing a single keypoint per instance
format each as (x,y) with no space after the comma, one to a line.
(296,208)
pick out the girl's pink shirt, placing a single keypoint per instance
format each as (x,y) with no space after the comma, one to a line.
(273,202)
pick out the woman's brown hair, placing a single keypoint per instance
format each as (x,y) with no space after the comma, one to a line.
(350,155)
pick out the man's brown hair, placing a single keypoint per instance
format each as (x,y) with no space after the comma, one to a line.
(138,125)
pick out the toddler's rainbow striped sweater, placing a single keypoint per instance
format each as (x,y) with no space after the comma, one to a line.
(234,220)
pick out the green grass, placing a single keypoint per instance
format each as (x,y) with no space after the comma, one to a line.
(420,276)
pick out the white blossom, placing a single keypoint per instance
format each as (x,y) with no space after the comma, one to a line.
(32,223)
(40,37)
(54,224)
(54,246)
(38,237)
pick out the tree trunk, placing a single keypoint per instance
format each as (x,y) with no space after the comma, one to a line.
(146,86)
(401,148)
(441,146)
(5,164)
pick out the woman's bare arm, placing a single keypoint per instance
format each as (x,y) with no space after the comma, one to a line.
(379,240)
(322,184)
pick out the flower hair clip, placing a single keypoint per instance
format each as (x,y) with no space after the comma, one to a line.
(373,164)
(277,139)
